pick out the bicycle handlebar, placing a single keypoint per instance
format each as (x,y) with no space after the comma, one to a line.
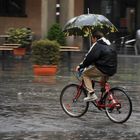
(78,74)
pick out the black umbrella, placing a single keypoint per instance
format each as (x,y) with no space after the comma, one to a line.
(84,24)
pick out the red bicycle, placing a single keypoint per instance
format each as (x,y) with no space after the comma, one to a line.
(114,101)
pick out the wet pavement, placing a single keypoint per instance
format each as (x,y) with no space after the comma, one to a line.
(30,108)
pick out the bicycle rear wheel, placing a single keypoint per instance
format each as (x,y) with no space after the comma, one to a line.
(118,105)
(71,100)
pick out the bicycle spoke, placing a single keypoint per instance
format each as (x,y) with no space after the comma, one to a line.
(71,100)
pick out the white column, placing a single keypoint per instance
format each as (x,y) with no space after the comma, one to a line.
(44,17)
(71,9)
(70,39)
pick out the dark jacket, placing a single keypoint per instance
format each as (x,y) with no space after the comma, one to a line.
(103,56)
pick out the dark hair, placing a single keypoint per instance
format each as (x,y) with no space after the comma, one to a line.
(97,34)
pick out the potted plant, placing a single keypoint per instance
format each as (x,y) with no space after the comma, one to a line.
(45,57)
(56,33)
(22,36)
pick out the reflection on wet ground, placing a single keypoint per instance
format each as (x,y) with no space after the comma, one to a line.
(30,109)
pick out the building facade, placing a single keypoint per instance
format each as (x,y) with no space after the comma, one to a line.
(39,15)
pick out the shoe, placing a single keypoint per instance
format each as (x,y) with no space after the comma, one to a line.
(90,97)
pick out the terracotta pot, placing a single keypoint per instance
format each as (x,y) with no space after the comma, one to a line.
(19,51)
(44,70)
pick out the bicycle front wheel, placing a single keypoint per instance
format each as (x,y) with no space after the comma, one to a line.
(118,105)
(71,100)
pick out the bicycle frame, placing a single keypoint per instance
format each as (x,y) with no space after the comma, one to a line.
(79,91)
(100,103)
(114,101)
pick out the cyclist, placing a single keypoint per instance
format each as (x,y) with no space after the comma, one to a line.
(100,61)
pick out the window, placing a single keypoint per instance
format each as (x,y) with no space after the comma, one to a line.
(12,8)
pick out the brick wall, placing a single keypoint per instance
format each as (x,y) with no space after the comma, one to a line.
(33,19)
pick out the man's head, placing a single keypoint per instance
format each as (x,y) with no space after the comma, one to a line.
(96,35)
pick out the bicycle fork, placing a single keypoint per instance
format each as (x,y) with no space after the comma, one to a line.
(78,93)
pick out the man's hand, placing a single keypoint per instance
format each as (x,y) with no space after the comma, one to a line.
(77,68)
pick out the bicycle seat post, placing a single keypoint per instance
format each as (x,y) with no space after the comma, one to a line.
(107,87)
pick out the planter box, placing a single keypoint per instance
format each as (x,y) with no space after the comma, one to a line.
(19,51)
(44,70)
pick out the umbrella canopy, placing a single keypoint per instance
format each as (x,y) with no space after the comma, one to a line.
(84,24)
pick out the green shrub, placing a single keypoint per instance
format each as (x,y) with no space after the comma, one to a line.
(20,36)
(55,33)
(45,52)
